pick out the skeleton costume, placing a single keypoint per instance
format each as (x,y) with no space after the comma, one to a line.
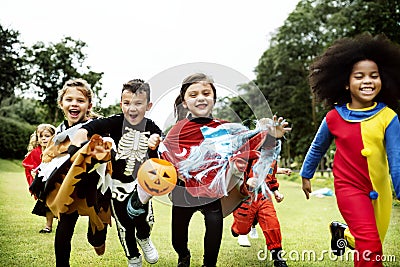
(132,151)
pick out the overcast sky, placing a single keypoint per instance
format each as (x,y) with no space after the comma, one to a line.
(140,39)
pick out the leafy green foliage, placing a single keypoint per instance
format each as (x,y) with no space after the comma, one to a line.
(110,110)
(15,138)
(24,110)
(13,69)
(282,70)
(52,65)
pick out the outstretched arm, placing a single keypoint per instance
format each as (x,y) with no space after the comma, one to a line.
(279,127)
(286,171)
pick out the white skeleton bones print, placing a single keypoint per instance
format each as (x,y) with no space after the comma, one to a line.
(132,147)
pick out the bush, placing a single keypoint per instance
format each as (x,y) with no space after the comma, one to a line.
(15,138)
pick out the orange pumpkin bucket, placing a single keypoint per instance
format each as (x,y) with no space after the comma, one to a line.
(157,176)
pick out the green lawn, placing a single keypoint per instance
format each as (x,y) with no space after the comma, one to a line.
(304,229)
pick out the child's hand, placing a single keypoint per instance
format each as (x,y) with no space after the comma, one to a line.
(278,196)
(279,127)
(306,187)
(154,141)
(286,171)
(252,182)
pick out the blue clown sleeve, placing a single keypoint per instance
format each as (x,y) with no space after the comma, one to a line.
(392,139)
(317,150)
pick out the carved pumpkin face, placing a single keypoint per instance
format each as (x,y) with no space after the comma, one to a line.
(157,176)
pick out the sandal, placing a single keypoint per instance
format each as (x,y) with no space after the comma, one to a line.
(45,230)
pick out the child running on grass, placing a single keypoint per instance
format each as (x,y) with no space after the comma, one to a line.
(197,98)
(75,100)
(358,78)
(260,208)
(137,139)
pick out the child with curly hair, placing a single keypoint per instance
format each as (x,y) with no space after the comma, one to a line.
(359,79)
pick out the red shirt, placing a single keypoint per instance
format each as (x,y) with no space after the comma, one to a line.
(31,162)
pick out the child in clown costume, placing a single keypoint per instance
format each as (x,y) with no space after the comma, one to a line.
(359,79)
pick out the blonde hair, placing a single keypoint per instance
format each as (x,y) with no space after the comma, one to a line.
(84,87)
(34,139)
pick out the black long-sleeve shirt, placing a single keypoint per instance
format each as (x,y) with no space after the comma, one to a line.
(113,127)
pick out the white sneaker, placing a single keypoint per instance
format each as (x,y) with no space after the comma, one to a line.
(243,241)
(149,250)
(135,262)
(253,233)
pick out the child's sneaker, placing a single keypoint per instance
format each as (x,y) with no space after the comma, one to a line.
(150,252)
(243,241)
(135,262)
(253,233)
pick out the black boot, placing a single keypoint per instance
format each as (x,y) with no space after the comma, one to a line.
(184,261)
(234,233)
(277,258)
(338,242)
(280,263)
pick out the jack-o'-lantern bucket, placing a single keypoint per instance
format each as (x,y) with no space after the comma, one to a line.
(157,176)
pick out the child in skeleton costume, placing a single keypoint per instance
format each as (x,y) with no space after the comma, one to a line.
(137,139)
(203,149)
(68,182)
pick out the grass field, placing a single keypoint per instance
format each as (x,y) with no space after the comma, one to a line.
(304,229)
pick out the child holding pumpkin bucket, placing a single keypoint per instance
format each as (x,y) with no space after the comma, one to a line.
(131,205)
(196,100)
(358,78)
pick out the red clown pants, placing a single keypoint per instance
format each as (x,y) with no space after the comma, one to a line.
(263,210)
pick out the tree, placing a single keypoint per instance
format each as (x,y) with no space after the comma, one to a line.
(54,64)
(282,71)
(23,110)
(309,30)
(13,64)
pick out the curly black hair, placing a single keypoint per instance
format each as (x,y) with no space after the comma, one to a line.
(330,72)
